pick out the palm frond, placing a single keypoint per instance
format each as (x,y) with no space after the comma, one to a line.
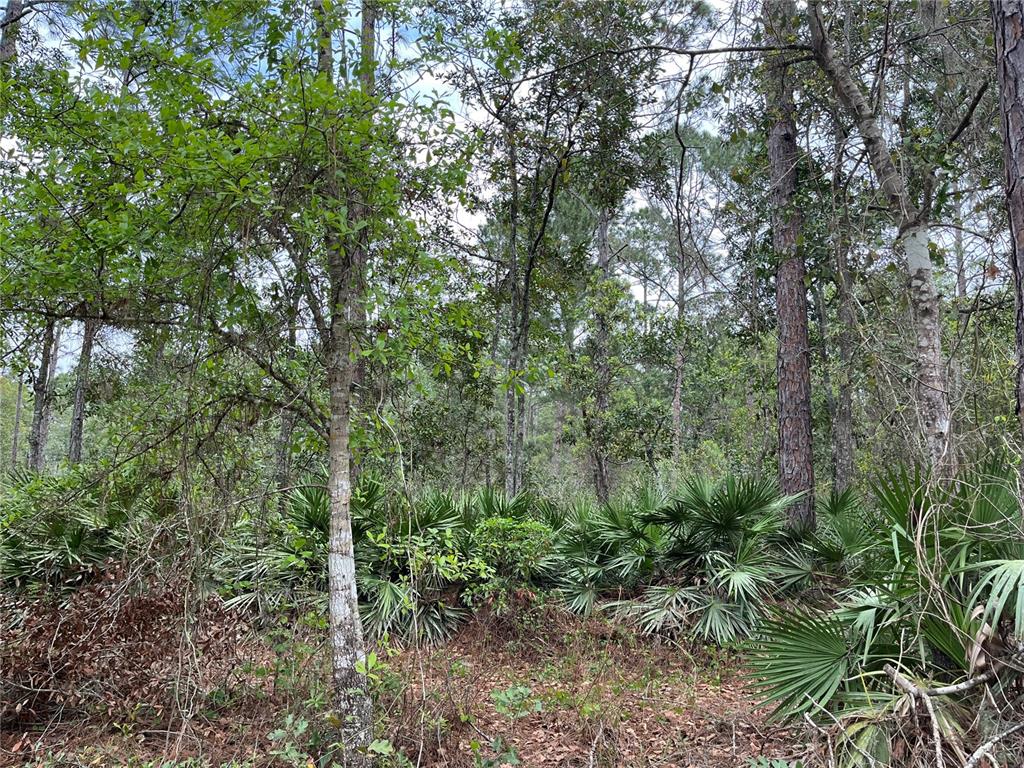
(800,659)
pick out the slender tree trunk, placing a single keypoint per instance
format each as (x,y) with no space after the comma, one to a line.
(602,360)
(821,310)
(515,360)
(520,427)
(793,365)
(679,358)
(42,394)
(682,239)
(1008,23)
(282,449)
(518,394)
(932,391)
(842,435)
(557,447)
(81,385)
(15,438)
(511,459)
(346,257)
(842,425)
(515,406)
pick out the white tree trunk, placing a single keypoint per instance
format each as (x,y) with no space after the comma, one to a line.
(930,372)
(346,264)
(930,382)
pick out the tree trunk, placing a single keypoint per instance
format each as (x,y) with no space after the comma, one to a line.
(842,432)
(520,450)
(679,359)
(9,33)
(282,449)
(793,366)
(42,394)
(931,387)
(558,430)
(15,437)
(511,459)
(821,310)
(345,266)
(515,409)
(602,360)
(81,385)
(1008,23)
(347,649)
(513,471)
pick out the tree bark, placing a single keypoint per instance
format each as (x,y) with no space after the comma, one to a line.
(42,394)
(931,387)
(842,432)
(515,403)
(9,33)
(15,437)
(1008,24)
(345,267)
(282,449)
(513,468)
(91,327)
(679,357)
(793,365)
(602,360)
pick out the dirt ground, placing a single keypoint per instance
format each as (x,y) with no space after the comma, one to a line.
(546,689)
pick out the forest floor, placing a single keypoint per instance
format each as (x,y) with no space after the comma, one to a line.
(547,687)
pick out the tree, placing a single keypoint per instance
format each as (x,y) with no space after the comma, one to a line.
(1008,23)
(9,31)
(796,460)
(90,327)
(42,395)
(912,239)
(346,242)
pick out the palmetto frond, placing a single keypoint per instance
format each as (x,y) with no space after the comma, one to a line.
(800,659)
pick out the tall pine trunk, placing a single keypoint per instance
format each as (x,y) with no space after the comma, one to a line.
(515,407)
(91,327)
(793,365)
(1008,24)
(9,33)
(911,242)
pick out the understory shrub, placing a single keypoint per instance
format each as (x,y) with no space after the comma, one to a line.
(58,532)
(917,657)
(702,562)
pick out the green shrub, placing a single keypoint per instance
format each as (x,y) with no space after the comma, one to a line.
(513,548)
(925,570)
(57,531)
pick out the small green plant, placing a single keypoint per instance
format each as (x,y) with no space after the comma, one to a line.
(765,762)
(515,702)
(287,740)
(503,754)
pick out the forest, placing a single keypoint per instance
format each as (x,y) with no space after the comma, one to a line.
(477,383)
